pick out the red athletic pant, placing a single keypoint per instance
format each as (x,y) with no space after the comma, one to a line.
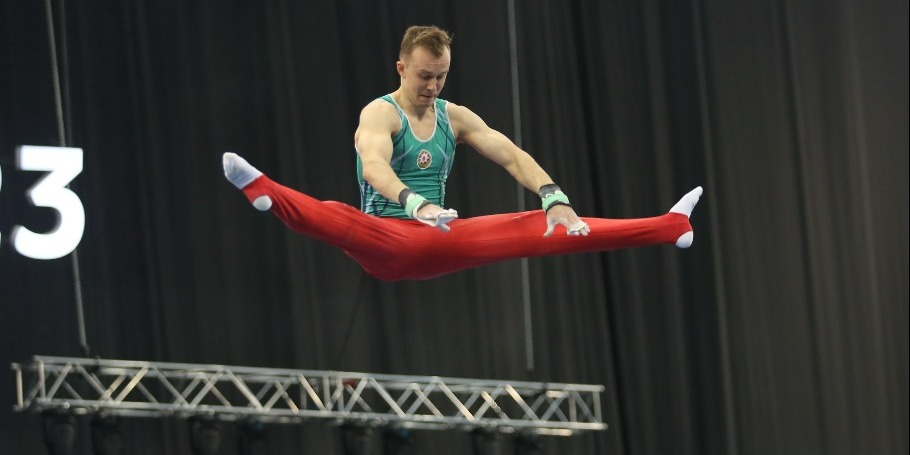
(393,249)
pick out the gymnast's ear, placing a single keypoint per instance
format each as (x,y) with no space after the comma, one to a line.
(399,66)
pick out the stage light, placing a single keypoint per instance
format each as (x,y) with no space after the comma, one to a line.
(106,437)
(356,440)
(527,444)
(205,436)
(252,438)
(487,442)
(396,441)
(59,432)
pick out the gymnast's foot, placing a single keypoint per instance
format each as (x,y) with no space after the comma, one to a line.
(685,207)
(241,173)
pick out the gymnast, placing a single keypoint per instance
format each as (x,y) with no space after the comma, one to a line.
(405,146)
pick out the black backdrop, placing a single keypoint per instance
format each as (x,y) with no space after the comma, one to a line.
(783,330)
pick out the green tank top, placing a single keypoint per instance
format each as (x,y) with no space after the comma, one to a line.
(423,165)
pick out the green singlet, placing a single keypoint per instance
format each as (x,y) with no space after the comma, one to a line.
(423,165)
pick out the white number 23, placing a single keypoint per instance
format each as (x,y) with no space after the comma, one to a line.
(63,164)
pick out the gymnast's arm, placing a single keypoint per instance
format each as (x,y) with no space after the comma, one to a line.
(378,122)
(471,129)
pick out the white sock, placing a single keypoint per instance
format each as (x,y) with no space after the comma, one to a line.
(238,171)
(687,203)
(241,173)
(685,207)
(685,240)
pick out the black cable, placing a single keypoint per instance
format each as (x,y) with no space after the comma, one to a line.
(65,137)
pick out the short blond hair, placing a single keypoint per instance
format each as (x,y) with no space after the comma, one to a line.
(431,37)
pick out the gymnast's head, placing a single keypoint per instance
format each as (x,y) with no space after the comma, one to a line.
(430,37)
(423,62)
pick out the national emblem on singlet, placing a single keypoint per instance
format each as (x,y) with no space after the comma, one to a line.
(424,159)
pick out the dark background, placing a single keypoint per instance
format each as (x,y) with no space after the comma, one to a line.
(783,330)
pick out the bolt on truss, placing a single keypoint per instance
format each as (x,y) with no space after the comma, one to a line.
(161,389)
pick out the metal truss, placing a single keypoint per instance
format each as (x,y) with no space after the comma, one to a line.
(159,389)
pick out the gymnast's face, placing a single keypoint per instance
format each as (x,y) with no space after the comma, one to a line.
(423,75)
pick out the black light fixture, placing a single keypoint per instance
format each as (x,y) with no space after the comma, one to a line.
(205,436)
(396,441)
(356,440)
(527,444)
(59,432)
(251,438)
(487,442)
(106,436)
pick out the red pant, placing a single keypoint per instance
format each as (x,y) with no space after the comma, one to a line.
(393,249)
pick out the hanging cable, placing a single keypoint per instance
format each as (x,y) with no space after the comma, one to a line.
(516,120)
(63,136)
(55,75)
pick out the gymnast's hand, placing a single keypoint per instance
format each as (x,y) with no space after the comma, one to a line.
(565,215)
(436,216)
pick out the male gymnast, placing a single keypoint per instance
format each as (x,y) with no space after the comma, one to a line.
(405,146)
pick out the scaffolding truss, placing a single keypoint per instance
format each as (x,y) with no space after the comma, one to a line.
(161,389)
